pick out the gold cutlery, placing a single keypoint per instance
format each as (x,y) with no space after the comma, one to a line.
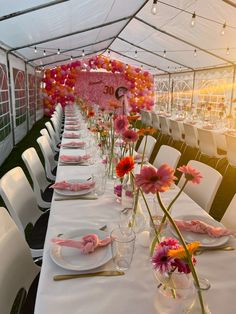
(99,273)
(223,248)
(76,198)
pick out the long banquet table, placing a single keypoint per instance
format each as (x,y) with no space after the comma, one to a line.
(136,291)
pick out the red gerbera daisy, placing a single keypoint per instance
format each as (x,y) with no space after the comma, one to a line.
(124,166)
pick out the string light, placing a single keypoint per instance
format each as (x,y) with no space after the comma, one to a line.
(109,53)
(154,7)
(44,52)
(164,53)
(193,21)
(136,54)
(195,53)
(58,51)
(223,29)
(35,49)
(71,58)
(83,53)
(227,51)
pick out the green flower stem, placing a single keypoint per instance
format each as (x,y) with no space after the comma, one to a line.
(189,257)
(169,206)
(144,149)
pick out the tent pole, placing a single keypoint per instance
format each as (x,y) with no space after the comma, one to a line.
(194,78)
(10,98)
(32,9)
(27,96)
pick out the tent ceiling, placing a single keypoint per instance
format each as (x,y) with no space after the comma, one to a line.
(75,25)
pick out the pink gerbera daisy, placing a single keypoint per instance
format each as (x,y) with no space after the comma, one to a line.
(121,124)
(129,136)
(161,261)
(191,174)
(153,180)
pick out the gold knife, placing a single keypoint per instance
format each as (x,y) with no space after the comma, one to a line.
(99,273)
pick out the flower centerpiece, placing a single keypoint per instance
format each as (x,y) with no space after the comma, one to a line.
(175,257)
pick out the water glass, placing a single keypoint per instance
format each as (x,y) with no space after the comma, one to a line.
(122,246)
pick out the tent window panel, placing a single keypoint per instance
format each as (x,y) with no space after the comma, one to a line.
(31,95)
(162,93)
(182,94)
(19,89)
(5,127)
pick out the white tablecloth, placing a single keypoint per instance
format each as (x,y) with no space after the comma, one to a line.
(136,291)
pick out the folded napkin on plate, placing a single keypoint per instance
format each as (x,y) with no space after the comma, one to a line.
(69,158)
(87,244)
(208,127)
(73,144)
(202,227)
(71,122)
(71,135)
(74,186)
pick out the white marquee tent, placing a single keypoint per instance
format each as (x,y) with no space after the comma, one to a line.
(184,58)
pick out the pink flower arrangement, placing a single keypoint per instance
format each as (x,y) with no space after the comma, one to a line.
(153,180)
(121,124)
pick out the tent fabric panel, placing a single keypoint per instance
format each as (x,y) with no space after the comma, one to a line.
(31,96)
(16,5)
(64,18)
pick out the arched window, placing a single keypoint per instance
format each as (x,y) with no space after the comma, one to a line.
(20,101)
(5,126)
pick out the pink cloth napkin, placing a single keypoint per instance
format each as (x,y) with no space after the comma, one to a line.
(202,227)
(75,187)
(66,158)
(71,135)
(208,127)
(87,244)
(72,127)
(73,144)
(71,122)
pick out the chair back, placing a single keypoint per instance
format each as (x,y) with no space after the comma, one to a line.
(164,125)
(190,135)
(19,198)
(231,149)
(229,217)
(176,131)
(204,192)
(51,141)
(167,155)
(48,155)
(17,269)
(207,142)
(151,141)
(37,173)
(54,137)
(155,121)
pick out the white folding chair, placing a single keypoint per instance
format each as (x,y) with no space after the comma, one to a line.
(165,129)
(151,141)
(17,271)
(167,155)
(176,132)
(207,145)
(204,192)
(50,163)
(229,217)
(191,137)
(21,203)
(231,149)
(54,136)
(37,173)
(52,143)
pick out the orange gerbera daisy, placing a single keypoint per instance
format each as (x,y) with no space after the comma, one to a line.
(133,118)
(125,166)
(180,252)
(147,131)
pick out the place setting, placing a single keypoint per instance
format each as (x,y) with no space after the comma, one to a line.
(82,160)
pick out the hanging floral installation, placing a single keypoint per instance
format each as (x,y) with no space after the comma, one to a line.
(60,82)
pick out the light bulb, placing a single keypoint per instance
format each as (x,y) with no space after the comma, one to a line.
(71,58)
(154,7)
(44,52)
(58,51)
(136,54)
(227,51)
(193,21)
(195,53)
(109,53)
(164,53)
(83,53)
(35,49)
(223,29)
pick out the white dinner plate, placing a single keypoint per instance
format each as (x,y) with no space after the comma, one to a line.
(73,147)
(72,128)
(70,162)
(74,193)
(73,259)
(204,239)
